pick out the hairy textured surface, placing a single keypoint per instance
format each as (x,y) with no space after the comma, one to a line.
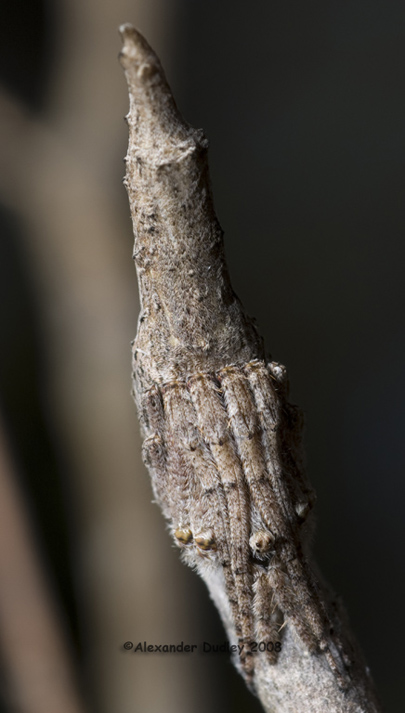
(222,443)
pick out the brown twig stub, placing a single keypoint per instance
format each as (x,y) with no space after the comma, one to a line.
(222,443)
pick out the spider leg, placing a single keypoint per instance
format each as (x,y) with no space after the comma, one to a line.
(246,428)
(214,427)
(209,510)
(268,386)
(247,433)
(154,457)
(309,628)
(285,597)
(267,404)
(268,617)
(154,453)
(254,414)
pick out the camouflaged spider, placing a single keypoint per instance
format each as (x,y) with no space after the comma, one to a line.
(237,501)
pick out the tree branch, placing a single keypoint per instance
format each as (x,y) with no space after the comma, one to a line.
(222,442)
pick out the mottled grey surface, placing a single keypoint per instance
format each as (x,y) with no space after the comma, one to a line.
(221,442)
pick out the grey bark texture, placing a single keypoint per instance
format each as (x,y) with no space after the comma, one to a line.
(222,443)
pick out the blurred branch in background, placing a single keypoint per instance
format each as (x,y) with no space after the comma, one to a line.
(60,177)
(36,660)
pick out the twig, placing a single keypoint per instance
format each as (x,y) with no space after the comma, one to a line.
(222,443)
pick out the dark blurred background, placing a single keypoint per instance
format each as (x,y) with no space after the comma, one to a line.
(304,107)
